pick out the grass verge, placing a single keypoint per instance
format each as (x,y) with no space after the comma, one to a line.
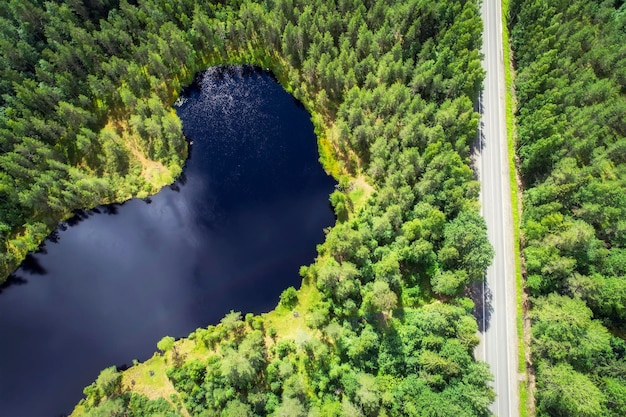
(511,141)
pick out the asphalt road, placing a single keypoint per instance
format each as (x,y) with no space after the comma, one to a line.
(499,337)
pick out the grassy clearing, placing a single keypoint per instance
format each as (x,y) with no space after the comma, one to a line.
(361,190)
(525,408)
(153,172)
(149,379)
(291,323)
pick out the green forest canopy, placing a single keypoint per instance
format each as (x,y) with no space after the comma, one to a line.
(86,118)
(571,85)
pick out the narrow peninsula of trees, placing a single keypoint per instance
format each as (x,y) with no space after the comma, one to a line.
(571,85)
(382,325)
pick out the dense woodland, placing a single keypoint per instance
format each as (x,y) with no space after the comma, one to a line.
(82,104)
(86,88)
(571,86)
(86,117)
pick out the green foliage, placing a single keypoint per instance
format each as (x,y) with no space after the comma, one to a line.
(106,399)
(108,408)
(391,86)
(165,344)
(289,298)
(77,69)
(232,322)
(564,331)
(465,246)
(571,140)
(107,385)
(340,204)
(563,391)
(129,405)
(381,297)
(236,408)
(465,254)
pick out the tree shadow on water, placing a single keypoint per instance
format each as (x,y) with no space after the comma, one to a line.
(111,209)
(53,237)
(122,367)
(180,181)
(78,217)
(12,281)
(32,265)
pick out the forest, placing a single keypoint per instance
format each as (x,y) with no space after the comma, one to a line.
(86,94)
(571,83)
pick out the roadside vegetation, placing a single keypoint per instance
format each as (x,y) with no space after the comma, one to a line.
(526,398)
(382,324)
(571,82)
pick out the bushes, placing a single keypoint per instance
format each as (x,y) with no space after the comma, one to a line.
(289,298)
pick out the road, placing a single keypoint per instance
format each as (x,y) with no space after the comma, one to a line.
(498,330)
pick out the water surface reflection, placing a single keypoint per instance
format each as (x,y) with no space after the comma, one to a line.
(231,233)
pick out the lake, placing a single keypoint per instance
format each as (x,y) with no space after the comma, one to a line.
(230,233)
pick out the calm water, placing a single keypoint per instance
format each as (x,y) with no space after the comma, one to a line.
(231,233)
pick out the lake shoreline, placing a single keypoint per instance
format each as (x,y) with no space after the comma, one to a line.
(274,197)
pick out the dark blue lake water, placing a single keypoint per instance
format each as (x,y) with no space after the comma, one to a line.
(231,233)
